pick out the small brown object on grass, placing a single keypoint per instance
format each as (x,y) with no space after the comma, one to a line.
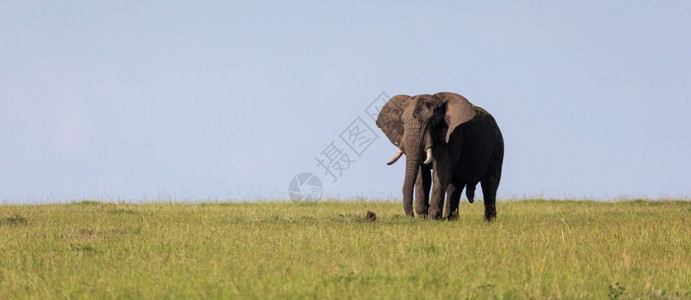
(371,217)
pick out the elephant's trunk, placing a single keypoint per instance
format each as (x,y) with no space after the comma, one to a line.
(411,169)
(413,147)
(427,147)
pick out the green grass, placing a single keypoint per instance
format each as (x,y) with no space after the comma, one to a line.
(535,249)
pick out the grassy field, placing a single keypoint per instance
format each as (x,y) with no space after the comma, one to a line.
(535,249)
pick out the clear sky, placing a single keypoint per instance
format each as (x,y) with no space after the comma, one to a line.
(219,100)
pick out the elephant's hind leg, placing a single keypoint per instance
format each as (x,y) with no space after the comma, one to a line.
(489,192)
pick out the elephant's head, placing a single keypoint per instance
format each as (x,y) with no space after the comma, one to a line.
(417,124)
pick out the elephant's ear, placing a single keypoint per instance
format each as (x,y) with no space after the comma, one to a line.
(458,110)
(389,119)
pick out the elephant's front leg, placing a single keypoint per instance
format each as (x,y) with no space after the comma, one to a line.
(423,184)
(441,177)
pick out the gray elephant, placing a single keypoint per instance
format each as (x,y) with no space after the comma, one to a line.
(445,133)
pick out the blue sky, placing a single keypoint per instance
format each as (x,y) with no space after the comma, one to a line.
(231,100)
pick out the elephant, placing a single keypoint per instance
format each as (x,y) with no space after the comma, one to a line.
(444,133)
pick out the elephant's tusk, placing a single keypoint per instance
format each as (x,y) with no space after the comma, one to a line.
(395,157)
(429,156)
